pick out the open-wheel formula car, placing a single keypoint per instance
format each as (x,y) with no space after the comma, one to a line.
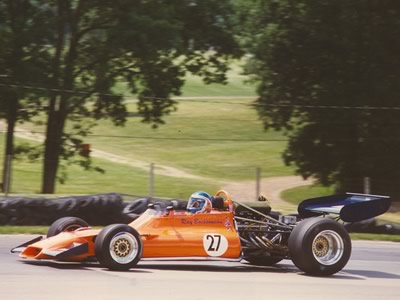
(314,240)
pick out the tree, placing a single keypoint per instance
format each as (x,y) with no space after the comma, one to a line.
(20,61)
(73,52)
(149,44)
(329,76)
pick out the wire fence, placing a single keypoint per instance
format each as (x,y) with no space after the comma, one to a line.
(200,99)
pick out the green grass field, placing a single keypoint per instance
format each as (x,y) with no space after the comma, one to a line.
(120,178)
(221,139)
(237,85)
(298,194)
(218,139)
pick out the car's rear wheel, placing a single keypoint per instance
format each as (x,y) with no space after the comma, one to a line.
(66,224)
(118,247)
(320,246)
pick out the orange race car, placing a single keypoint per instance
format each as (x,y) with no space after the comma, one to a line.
(210,229)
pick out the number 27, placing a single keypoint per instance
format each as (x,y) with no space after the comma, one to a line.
(215,242)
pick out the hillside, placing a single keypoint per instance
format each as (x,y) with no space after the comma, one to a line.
(214,137)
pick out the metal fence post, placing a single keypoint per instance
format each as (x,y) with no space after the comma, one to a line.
(151,180)
(258,182)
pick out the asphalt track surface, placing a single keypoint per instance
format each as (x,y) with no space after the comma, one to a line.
(372,273)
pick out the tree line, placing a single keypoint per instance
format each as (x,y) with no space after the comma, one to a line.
(327,74)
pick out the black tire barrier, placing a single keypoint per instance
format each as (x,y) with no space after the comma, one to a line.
(372,226)
(105,209)
(134,209)
(101,209)
(98,209)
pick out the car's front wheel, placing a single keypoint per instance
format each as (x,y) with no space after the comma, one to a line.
(118,247)
(319,246)
(66,224)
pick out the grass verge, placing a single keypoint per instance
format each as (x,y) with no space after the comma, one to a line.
(375,237)
(7,229)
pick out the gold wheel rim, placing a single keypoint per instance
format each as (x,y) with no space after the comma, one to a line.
(124,248)
(328,247)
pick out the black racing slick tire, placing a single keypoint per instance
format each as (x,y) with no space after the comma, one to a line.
(118,247)
(66,224)
(319,246)
(263,260)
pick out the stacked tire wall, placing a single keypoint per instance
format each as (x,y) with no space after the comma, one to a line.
(105,209)
(100,209)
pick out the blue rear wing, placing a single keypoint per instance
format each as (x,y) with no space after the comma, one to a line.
(350,207)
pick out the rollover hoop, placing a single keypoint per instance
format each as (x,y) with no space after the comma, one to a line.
(227,199)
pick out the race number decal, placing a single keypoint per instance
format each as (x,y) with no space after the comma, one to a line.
(215,244)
